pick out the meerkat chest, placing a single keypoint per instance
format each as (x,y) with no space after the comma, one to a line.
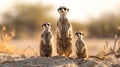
(80,44)
(64,24)
(47,35)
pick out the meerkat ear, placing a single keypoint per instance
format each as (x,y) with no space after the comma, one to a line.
(42,26)
(51,26)
(68,10)
(83,34)
(58,9)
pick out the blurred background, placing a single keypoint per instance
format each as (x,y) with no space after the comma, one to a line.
(98,19)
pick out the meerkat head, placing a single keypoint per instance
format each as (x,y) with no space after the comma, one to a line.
(79,34)
(63,10)
(46,26)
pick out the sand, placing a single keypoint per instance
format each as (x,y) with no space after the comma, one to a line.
(59,61)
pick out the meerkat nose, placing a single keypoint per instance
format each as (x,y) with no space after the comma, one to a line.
(62,11)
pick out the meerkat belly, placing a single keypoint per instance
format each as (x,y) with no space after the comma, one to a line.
(46,48)
(47,38)
(64,28)
(64,31)
(79,49)
(79,46)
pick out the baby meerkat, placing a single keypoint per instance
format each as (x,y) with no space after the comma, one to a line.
(81,48)
(46,41)
(64,33)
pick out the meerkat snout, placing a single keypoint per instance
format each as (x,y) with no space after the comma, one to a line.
(46,26)
(63,10)
(79,34)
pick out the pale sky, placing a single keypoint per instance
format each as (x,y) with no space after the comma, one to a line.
(80,10)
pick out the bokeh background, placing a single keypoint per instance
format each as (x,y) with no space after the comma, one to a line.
(98,19)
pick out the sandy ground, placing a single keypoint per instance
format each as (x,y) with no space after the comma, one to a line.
(94,46)
(62,62)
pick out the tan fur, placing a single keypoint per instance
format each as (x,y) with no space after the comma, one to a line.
(64,34)
(81,48)
(46,43)
(64,46)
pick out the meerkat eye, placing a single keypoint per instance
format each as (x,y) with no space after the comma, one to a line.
(64,8)
(60,8)
(80,33)
(48,24)
(76,33)
(45,24)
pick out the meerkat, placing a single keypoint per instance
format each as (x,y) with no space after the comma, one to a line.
(81,48)
(64,33)
(46,41)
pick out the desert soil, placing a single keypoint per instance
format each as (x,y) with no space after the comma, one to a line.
(94,46)
(62,62)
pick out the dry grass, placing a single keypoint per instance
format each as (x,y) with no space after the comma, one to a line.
(109,50)
(4,39)
(101,54)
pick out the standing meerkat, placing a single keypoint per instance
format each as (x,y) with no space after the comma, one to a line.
(81,48)
(64,33)
(46,41)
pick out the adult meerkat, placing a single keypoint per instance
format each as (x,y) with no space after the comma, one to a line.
(81,48)
(46,41)
(64,33)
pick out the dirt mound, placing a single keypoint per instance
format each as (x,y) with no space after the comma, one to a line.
(62,62)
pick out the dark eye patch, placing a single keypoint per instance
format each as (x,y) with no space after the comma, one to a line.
(48,24)
(44,24)
(62,8)
(78,33)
